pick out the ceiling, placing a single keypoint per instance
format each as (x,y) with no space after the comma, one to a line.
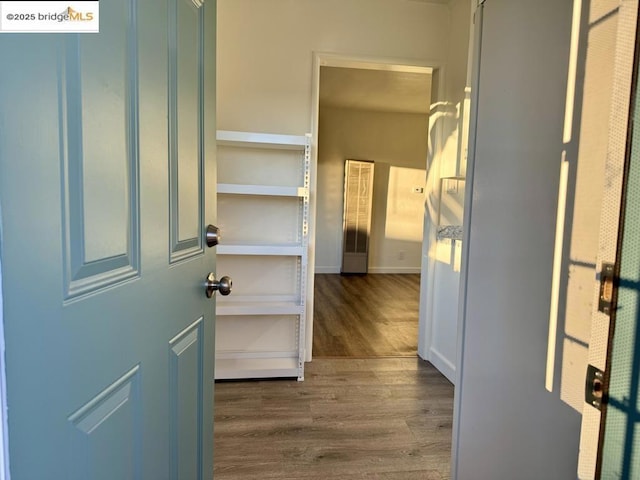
(377,90)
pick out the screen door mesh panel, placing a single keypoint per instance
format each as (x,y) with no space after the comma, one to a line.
(358,197)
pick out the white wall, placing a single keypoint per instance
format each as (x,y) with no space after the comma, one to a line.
(397,142)
(508,425)
(440,265)
(265,51)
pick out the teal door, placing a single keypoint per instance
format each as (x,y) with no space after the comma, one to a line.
(107,182)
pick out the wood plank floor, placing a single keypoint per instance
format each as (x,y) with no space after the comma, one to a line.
(365,316)
(383,418)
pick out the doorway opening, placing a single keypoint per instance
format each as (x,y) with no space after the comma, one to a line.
(379,111)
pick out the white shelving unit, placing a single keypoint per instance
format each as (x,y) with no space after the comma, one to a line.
(280,250)
(263,214)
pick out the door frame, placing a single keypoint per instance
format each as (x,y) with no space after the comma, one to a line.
(437,70)
(613,243)
(473,75)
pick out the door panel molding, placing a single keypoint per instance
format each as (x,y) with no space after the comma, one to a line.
(186,387)
(101,246)
(186,159)
(113,413)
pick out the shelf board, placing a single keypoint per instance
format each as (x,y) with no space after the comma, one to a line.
(232,368)
(283,250)
(239,307)
(261,140)
(274,191)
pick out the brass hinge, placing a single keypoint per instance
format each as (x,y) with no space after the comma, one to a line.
(605,301)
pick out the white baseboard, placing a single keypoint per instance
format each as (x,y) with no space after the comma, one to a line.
(373,270)
(445,367)
(394,269)
(327,270)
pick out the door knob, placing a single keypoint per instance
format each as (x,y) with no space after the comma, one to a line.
(212,235)
(223,285)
